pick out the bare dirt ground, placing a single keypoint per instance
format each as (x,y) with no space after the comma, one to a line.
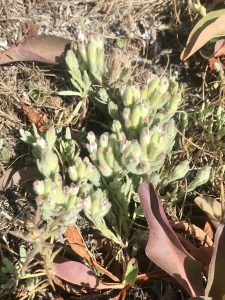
(154,34)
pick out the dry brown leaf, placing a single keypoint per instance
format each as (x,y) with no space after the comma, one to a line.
(17,177)
(193,231)
(47,49)
(76,242)
(208,230)
(213,4)
(29,28)
(39,119)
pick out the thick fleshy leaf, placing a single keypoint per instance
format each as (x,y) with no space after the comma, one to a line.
(47,49)
(79,274)
(215,287)
(17,177)
(210,26)
(211,208)
(163,246)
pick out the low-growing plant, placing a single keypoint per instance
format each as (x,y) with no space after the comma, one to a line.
(102,186)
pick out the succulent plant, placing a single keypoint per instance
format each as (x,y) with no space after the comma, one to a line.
(104,183)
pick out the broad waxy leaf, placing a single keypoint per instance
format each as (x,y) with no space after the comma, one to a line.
(215,287)
(163,246)
(48,49)
(210,26)
(212,208)
(79,274)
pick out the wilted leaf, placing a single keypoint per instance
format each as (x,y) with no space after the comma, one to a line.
(215,287)
(79,274)
(163,246)
(192,230)
(35,117)
(210,26)
(12,177)
(47,49)
(76,242)
(211,208)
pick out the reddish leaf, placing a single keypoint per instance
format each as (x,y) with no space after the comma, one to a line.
(163,246)
(48,49)
(12,177)
(77,244)
(214,60)
(215,286)
(79,274)
(218,46)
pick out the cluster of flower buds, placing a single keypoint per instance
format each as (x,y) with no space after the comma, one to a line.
(85,61)
(68,148)
(83,170)
(143,129)
(96,206)
(54,199)
(46,159)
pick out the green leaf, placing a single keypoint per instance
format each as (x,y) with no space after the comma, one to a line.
(131,272)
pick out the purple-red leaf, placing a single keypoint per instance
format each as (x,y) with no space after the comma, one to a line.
(215,286)
(79,274)
(163,246)
(48,49)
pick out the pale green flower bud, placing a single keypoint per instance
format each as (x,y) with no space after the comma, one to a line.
(48,163)
(51,137)
(144,137)
(135,117)
(83,51)
(73,173)
(109,156)
(128,95)
(40,142)
(116,127)
(39,187)
(113,110)
(127,117)
(91,137)
(144,93)
(152,86)
(92,55)
(48,185)
(104,140)
(103,165)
